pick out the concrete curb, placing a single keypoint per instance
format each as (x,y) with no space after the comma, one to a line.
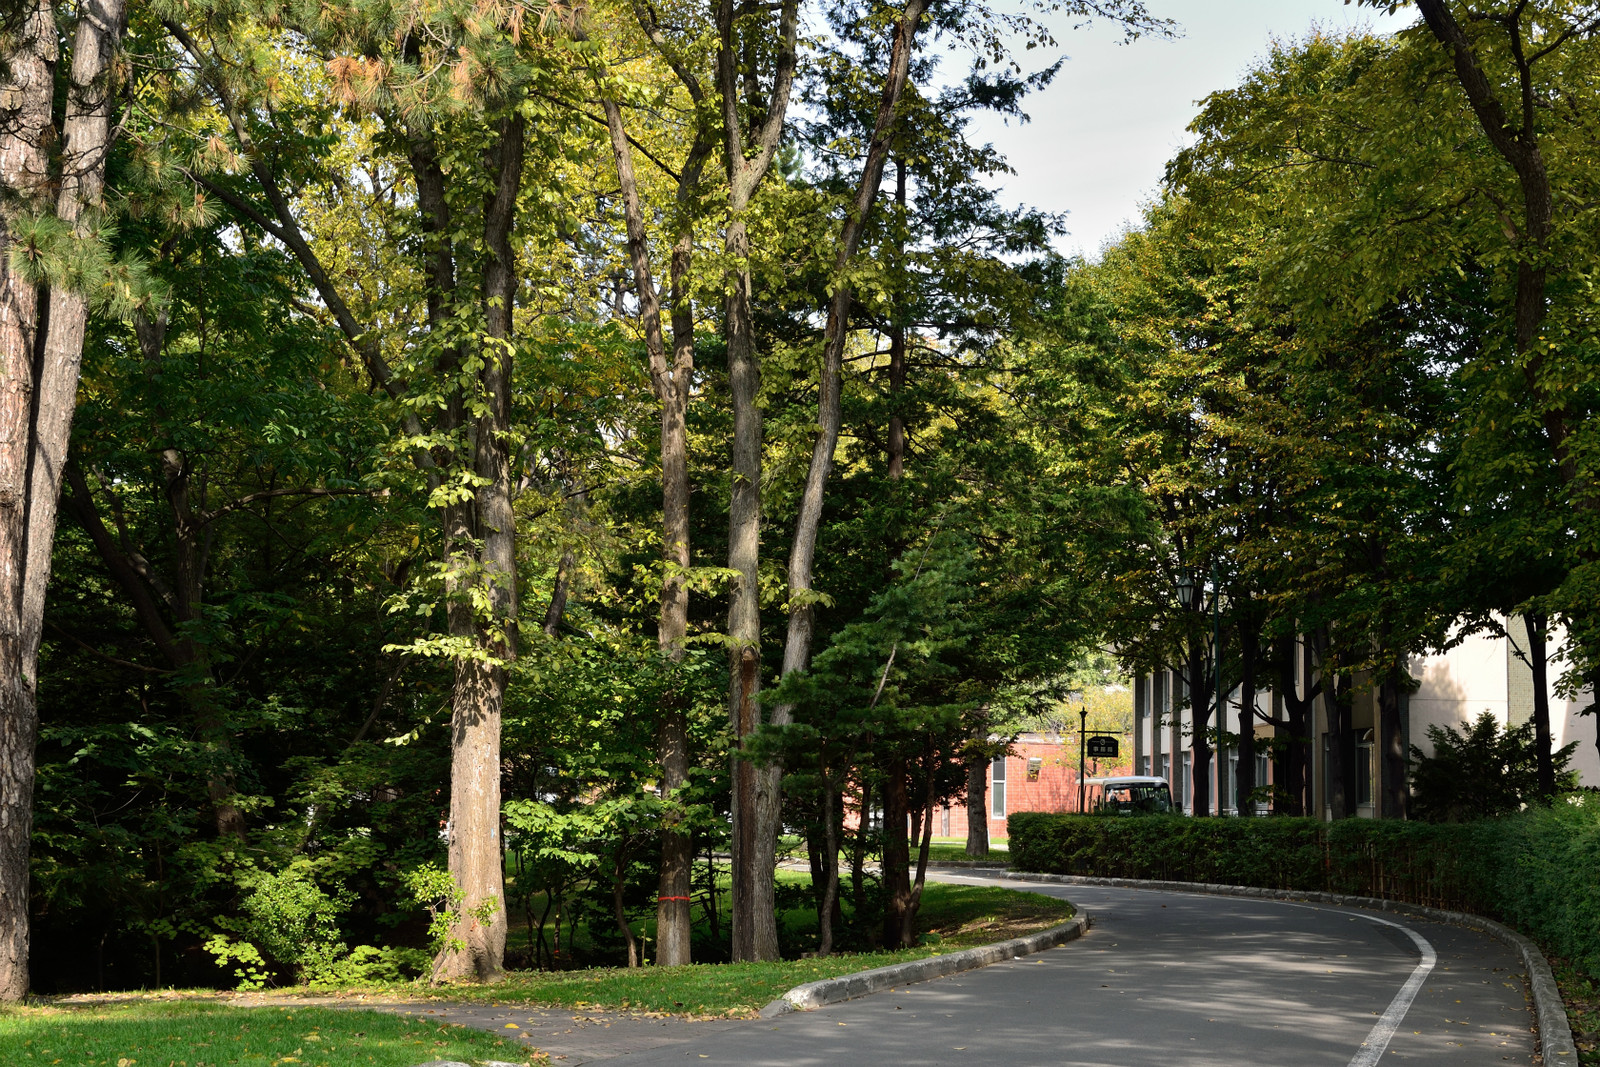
(1555,1032)
(847,987)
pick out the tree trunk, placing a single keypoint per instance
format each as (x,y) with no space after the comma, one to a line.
(1200,721)
(1297,715)
(671,382)
(481,549)
(41,350)
(908,915)
(978,808)
(897,352)
(1537,625)
(896,871)
(830,914)
(858,851)
(1336,710)
(1391,745)
(756,795)
(1249,649)
(619,874)
(1516,139)
(802,611)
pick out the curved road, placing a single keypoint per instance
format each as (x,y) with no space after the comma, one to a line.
(1168,978)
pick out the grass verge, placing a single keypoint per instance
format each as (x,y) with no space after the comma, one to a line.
(178,1034)
(953,917)
(957,853)
(1582,998)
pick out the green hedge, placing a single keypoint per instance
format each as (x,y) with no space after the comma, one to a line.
(1538,870)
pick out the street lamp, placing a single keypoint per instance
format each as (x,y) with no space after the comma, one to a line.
(1186,585)
(1083,733)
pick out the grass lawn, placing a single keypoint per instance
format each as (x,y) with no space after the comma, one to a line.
(952,917)
(179,1034)
(956,852)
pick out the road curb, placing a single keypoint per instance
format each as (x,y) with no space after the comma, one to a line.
(849,986)
(1555,1032)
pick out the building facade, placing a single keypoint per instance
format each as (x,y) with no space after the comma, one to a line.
(1039,774)
(1481,673)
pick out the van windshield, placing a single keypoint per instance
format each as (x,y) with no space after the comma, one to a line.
(1140,797)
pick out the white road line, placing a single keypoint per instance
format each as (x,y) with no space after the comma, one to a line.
(1377,1040)
(1378,1037)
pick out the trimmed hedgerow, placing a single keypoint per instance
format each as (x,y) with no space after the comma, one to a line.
(1538,870)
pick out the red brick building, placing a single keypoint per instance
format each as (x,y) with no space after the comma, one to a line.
(1040,774)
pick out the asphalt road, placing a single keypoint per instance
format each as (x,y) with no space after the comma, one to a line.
(1170,978)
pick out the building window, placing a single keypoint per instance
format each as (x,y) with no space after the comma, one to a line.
(997,789)
(1166,767)
(1364,767)
(1144,766)
(1034,763)
(1185,790)
(1263,772)
(1160,695)
(1230,788)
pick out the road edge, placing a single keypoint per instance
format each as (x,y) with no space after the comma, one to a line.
(1550,1012)
(813,995)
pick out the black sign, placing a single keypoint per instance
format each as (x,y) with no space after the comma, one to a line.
(1102,747)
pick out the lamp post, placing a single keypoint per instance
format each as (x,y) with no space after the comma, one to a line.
(1186,594)
(1216,648)
(1083,732)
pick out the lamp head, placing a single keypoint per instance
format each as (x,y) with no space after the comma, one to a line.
(1186,587)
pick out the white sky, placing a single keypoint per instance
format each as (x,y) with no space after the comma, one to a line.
(1103,131)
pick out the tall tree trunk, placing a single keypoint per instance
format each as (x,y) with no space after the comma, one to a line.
(756,796)
(1200,720)
(897,351)
(858,849)
(908,915)
(896,871)
(1537,624)
(1396,794)
(619,873)
(826,914)
(1249,650)
(1515,137)
(41,351)
(671,382)
(1336,710)
(978,808)
(802,611)
(483,546)
(1298,709)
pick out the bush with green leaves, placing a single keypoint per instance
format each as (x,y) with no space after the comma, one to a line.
(290,925)
(1481,771)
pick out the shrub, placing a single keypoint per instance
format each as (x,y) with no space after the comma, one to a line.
(1537,870)
(1480,771)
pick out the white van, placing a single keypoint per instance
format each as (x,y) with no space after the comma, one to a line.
(1129,794)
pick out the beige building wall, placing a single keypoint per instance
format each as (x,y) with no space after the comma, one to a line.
(1480,673)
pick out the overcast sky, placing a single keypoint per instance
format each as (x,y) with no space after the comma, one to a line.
(1102,133)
